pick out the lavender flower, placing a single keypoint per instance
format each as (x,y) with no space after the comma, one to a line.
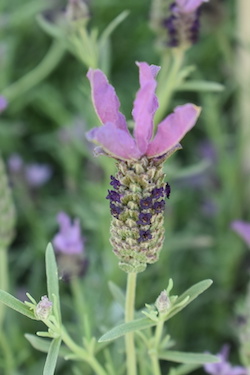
(114,137)
(69,245)
(223,367)
(137,204)
(183,23)
(37,174)
(69,239)
(243,229)
(3,103)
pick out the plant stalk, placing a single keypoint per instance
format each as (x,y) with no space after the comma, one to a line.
(129,316)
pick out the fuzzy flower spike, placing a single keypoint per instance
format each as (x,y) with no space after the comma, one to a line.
(137,200)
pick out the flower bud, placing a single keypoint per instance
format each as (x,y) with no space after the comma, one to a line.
(162,303)
(43,308)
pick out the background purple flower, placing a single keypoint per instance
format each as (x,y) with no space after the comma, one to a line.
(37,175)
(15,163)
(69,239)
(223,367)
(243,229)
(3,103)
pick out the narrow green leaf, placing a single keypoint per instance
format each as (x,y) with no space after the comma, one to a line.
(200,86)
(50,364)
(192,293)
(183,369)
(43,345)
(122,329)
(16,304)
(52,279)
(49,27)
(182,357)
(117,293)
(112,26)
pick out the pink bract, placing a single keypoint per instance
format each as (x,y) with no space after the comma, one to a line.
(114,137)
(243,229)
(188,6)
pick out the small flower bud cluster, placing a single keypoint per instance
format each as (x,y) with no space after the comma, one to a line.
(43,308)
(137,205)
(7,211)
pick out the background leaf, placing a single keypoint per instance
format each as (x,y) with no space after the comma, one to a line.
(16,305)
(52,279)
(50,364)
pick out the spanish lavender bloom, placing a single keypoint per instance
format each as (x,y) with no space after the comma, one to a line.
(114,137)
(183,23)
(69,239)
(243,229)
(37,175)
(224,367)
(3,103)
(138,201)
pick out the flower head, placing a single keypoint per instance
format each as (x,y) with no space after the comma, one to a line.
(223,367)
(243,229)
(183,23)
(69,239)
(114,137)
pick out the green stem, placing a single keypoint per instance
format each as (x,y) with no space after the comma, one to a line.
(3,279)
(6,352)
(156,370)
(168,81)
(81,353)
(35,76)
(129,316)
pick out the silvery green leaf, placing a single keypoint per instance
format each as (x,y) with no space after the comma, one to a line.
(200,86)
(182,357)
(52,280)
(16,304)
(43,345)
(50,364)
(122,329)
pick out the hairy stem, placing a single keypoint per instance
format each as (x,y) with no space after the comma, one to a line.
(129,316)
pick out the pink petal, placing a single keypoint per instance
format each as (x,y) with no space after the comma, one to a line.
(189,6)
(105,100)
(243,229)
(145,105)
(172,129)
(116,142)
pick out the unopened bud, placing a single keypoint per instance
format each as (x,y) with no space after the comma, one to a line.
(77,10)
(43,308)
(162,303)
